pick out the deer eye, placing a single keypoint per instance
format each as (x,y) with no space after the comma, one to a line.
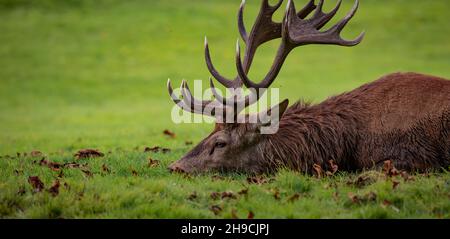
(220,144)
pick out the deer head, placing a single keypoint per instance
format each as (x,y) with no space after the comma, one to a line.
(234,146)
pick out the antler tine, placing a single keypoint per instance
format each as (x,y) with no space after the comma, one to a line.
(336,29)
(180,103)
(320,18)
(224,81)
(282,53)
(241,25)
(296,32)
(248,100)
(306,10)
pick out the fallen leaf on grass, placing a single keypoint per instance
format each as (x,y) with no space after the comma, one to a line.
(36,183)
(216,209)
(354,198)
(366,178)
(257,180)
(386,202)
(36,153)
(215,195)
(368,197)
(52,165)
(88,153)
(156,149)
(334,168)
(250,215)
(88,173)
(243,191)
(188,142)
(318,170)
(169,133)
(395,184)
(54,189)
(153,149)
(152,163)
(60,174)
(294,197)
(228,194)
(73,165)
(389,169)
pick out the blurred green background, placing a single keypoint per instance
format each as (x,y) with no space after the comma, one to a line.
(86,73)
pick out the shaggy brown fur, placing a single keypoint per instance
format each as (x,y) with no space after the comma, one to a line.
(402,117)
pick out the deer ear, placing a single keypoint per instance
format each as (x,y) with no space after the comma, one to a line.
(273,115)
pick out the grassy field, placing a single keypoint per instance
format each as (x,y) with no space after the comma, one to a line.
(92,74)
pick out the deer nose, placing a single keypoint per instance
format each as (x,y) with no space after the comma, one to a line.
(175,168)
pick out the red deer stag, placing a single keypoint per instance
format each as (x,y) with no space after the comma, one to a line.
(402,117)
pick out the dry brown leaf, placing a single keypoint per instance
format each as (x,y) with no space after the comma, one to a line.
(54,189)
(88,153)
(152,163)
(354,198)
(153,149)
(228,194)
(165,150)
(215,195)
(318,170)
(257,180)
(36,183)
(243,191)
(389,169)
(52,165)
(88,173)
(36,153)
(169,133)
(333,166)
(216,209)
(395,184)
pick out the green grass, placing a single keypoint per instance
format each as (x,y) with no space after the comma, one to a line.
(92,74)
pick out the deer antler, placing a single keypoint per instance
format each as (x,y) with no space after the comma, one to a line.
(295,30)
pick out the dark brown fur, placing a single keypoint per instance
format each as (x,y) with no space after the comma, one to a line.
(402,117)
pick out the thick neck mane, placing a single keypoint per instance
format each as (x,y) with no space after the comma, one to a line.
(314,134)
